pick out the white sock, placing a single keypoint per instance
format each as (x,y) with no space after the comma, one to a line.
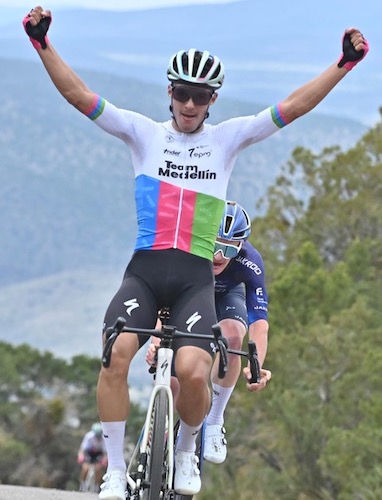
(220,398)
(186,440)
(114,436)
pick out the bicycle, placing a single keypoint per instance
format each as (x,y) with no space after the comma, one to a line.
(89,484)
(150,470)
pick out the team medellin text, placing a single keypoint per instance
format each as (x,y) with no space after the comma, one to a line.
(185,171)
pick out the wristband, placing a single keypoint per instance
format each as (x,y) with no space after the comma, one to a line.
(37,34)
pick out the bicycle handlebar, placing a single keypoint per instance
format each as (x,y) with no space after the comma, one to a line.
(168,333)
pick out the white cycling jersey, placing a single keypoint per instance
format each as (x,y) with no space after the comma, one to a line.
(92,443)
(182,178)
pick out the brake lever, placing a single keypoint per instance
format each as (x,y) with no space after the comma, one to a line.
(253,363)
(111,335)
(222,346)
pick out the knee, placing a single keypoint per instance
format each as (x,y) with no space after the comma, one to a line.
(234,331)
(118,369)
(193,367)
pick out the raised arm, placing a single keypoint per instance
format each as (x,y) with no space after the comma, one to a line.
(304,99)
(72,88)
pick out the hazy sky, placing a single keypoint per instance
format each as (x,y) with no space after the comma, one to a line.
(101,4)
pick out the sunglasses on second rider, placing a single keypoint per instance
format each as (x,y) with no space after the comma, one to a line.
(183,93)
(228,250)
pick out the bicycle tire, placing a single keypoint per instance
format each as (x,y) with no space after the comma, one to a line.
(156,472)
(90,485)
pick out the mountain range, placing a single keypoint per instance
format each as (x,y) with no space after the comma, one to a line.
(66,193)
(268,50)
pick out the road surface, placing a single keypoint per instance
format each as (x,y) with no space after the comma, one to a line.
(26,493)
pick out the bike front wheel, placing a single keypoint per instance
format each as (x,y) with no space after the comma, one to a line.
(90,481)
(157,463)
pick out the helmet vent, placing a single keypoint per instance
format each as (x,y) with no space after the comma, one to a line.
(228,223)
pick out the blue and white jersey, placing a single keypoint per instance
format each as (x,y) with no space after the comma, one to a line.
(246,268)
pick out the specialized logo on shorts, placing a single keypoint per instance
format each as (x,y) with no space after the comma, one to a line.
(192,320)
(131,305)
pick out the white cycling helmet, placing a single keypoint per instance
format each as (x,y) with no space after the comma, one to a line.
(97,429)
(235,224)
(198,67)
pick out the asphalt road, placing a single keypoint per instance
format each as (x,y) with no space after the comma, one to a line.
(26,493)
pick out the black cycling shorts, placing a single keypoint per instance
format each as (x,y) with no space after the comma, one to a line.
(167,278)
(232,305)
(94,457)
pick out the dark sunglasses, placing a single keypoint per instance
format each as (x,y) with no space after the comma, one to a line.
(183,93)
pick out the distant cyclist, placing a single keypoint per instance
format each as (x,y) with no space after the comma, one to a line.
(92,451)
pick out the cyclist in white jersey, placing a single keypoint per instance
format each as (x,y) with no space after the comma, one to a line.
(92,450)
(182,167)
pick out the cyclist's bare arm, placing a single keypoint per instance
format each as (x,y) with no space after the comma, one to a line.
(312,93)
(64,78)
(258,332)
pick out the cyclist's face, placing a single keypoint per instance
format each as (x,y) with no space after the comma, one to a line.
(220,261)
(189,106)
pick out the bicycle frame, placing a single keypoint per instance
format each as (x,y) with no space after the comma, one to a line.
(162,382)
(89,483)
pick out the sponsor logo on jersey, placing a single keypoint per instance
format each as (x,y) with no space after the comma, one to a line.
(248,263)
(185,171)
(260,308)
(194,153)
(171,152)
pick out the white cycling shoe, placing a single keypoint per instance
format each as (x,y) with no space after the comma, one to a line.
(215,444)
(114,486)
(187,475)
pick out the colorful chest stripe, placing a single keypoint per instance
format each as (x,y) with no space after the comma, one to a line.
(174,217)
